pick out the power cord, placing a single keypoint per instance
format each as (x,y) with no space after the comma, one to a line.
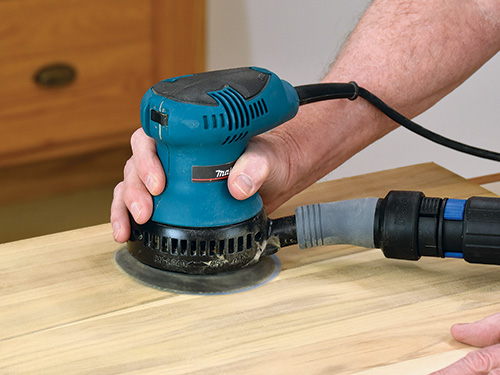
(326,91)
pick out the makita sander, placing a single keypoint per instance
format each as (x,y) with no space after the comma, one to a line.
(201,240)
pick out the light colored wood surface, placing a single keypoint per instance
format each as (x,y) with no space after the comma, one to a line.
(66,308)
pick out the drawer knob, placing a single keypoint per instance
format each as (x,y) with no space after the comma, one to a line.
(55,75)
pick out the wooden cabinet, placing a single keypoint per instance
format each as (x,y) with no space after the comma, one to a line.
(116,49)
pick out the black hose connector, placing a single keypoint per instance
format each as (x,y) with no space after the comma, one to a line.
(285,229)
(481,230)
(396,224)
(409,225)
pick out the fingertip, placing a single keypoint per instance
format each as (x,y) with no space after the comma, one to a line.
(140,212)
(120,232)
(248,174)
(482,333)
(116,229)
(465,333)
(242,187)
(153,184)
(119,215)
(457,330)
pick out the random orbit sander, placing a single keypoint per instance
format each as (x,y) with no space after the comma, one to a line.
(200,240)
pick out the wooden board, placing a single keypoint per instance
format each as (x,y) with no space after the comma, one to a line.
(66,308)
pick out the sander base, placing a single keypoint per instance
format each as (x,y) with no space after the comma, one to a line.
(221,283)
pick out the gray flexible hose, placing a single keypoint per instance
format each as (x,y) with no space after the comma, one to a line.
(344,222)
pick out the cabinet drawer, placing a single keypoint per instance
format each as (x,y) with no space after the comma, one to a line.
(107,43)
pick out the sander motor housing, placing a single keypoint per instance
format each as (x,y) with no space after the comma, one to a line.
(202,124)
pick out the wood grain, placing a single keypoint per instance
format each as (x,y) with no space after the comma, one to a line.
(487,179)
(34,181)
(176,56)
(66,308)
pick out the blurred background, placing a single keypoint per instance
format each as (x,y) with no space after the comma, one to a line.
(73,73)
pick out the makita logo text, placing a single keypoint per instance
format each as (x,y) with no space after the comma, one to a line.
(222,173)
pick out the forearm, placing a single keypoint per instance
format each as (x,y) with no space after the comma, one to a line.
(414,52)
(410,54)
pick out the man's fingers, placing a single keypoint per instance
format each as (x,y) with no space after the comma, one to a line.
(135,195)
(119,215)
(129,196)
(485,361)
(148,166)
(143,175)
(482,333)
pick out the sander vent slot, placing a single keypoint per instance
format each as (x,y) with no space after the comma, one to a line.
(174,244)
(155,243)
(230,246)
(234,138)
(193,249)
(212,248)
(214,121)
(202,248)
(183,247)
(258,109)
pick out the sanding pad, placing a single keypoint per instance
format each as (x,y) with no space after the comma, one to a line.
(221,283)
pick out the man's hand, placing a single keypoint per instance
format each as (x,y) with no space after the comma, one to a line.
(143,176)
(484,334)
(264,162)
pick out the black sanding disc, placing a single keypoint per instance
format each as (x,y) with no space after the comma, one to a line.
(221,283)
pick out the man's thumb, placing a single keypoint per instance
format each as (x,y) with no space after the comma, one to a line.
(248,174)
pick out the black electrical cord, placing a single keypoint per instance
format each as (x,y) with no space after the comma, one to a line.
(325,91)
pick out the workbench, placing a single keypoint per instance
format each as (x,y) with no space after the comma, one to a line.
(67,308)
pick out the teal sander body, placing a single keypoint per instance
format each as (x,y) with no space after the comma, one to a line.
(202,124)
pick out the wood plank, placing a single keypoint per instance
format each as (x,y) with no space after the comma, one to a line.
(28,182)
(38,217)
(176,56)
(487,179)
(34,28)
(65,306)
